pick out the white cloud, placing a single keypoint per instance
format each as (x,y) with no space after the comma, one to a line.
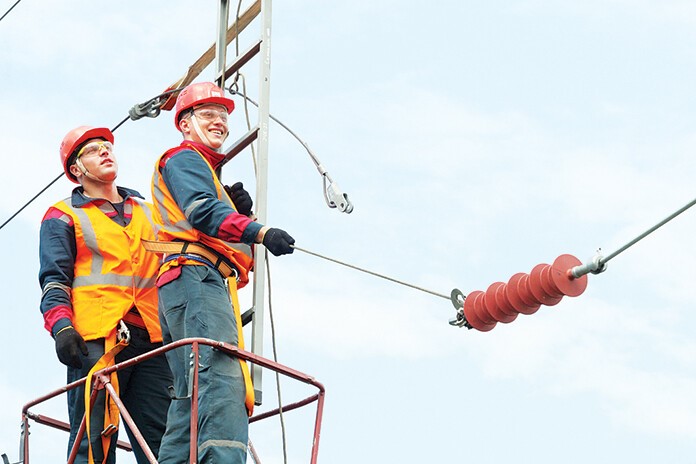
(620,356)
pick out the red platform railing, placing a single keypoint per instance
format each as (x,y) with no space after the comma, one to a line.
(102,381)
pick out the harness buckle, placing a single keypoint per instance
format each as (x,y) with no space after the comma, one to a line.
(122,333)
(109,430)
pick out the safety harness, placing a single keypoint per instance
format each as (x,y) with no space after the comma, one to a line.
(211,258)
(113,344)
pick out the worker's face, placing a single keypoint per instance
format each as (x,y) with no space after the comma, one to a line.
(97,157)
(212,125)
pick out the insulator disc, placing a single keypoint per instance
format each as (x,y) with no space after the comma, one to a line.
(547,283)
(560,274)
(503,302)
(536,288)
(493,306)
(481,310)
(471,316)
(513,295)
(525,291)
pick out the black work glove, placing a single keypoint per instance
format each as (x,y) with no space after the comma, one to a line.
(69,345)
(240,198)
(278,242)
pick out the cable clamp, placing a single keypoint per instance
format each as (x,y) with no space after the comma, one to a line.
(150,109)
(459,320)
(335,198)
(596,265)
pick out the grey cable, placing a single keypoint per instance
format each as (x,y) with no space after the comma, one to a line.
(447,297)
(8,11)
(275,358)
(606,259)
(49,184)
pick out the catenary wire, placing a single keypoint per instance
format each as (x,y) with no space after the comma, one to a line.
(610,256)
(61,175)
(275,358)
(382,276)
(297,137)
(47,187)
(11,8)
(34,198)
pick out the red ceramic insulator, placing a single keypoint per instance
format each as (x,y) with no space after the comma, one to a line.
(493,306)
(471,316)
(547,283)
(512,292)
(526,292)
(537,289)
(481,310)
(503,301)
(564,280)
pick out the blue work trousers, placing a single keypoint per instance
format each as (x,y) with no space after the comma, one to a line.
(197,304)
(143,388)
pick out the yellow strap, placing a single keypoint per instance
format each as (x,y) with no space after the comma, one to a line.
(111,416)
(250,398)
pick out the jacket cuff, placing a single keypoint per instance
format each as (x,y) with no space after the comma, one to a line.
(250,233)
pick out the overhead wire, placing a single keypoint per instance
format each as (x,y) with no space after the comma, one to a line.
(145,109)
(11,8)
(275,358)
(338,198)
(376,274)
(47,186)
(640,237)
(598,263)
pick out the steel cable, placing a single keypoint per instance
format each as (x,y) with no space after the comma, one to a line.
(11,8)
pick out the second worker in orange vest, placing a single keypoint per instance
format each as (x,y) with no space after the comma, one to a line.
(95,273)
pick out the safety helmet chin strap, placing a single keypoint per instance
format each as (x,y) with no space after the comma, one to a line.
(204,138)
(86,173)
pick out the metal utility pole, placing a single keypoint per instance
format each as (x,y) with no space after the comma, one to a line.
(260,134)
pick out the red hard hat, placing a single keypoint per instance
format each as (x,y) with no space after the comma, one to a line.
(77,137)
(198,94)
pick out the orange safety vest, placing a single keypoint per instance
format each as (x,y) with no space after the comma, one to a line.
(113,271)
(173,224)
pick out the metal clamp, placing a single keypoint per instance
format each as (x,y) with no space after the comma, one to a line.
(595,266)
(459,319)
(335,198)
(122,333)
(150,109)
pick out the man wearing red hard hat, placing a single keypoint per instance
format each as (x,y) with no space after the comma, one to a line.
(96,277)
(206,234)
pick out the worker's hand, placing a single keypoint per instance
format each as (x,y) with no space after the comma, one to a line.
(278,242)
(69,345)
(240,198)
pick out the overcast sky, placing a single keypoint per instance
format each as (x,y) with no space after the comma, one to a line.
(476,140)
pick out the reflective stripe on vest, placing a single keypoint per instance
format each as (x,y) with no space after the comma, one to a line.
(112,271)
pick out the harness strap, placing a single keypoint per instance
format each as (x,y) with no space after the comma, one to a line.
(219,262)
(111,415)
(250,397)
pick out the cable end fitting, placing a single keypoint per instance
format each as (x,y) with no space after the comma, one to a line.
(595,266)
(459,319)
(335,198)
(150,109)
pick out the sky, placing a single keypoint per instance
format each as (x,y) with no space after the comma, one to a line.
(476,140)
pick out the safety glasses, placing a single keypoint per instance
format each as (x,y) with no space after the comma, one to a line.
(94,148)
(209,114)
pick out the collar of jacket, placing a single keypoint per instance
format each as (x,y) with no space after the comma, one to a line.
(213,157)
(79,199)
